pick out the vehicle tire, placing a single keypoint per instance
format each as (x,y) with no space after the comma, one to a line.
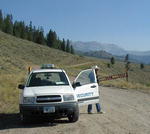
(74,116)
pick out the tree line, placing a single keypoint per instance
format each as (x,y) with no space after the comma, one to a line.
(34,34)
(127,63)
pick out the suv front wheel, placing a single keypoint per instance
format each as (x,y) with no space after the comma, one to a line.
(73,117)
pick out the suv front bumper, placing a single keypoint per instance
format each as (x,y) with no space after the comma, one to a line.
(61,109)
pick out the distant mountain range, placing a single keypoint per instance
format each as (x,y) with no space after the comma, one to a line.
(100,50)
(97,54)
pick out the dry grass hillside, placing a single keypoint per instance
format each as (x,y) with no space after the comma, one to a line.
(17,54)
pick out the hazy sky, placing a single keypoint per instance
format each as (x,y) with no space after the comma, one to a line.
(122,22)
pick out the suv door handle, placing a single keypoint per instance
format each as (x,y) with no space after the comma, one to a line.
(93,86)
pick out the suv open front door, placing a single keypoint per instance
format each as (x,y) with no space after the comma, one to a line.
(86,87)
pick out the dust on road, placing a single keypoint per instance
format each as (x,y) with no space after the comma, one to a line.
(127,112)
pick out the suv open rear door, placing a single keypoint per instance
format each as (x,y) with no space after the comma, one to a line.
(86,87)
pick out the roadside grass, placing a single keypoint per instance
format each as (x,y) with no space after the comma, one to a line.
(123,84)
(8,94)
(16,55)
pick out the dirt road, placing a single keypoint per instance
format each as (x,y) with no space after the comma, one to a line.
(127,112)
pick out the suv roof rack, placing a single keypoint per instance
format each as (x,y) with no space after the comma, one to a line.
(48,66)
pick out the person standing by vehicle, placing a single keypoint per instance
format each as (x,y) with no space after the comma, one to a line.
(98,106)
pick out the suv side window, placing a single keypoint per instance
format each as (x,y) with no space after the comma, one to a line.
(86,77)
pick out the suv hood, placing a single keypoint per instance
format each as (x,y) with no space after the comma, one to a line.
(48,90)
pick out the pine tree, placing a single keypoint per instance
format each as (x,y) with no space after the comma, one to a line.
(1,20)
(20,30)
(52,39)
(39,38)
(141,65)
(112,60)
(63,45)
(8,24)
(59,42)
(16,31)
(42,38)
(23,33)
(49,38)
(68,46)
(30,32)
(72,50)
(34,34)
(126,58)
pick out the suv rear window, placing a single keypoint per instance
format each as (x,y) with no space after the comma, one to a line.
(47,79)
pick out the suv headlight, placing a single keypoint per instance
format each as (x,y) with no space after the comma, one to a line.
(29,100)
(68,97)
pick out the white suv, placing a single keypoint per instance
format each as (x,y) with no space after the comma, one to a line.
(48,93)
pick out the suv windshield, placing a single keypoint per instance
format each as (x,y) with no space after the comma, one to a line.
(47,79)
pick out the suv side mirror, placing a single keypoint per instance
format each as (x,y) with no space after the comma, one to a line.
(20,86)
(76,84)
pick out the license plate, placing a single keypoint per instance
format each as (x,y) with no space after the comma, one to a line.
(49,110)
